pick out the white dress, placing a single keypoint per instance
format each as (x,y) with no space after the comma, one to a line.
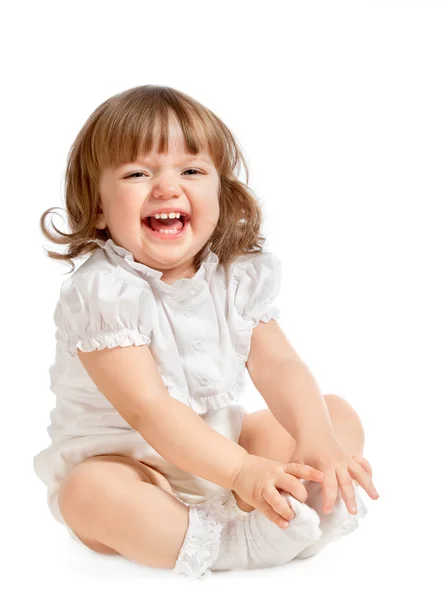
(199,332)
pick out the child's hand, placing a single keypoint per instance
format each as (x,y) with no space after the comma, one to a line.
(260,479)
(339,467)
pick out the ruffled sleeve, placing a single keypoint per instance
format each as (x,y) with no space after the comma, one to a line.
(96,310)
(259,284)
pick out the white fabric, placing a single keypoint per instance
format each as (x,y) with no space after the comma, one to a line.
(201,542)
(222,537)
(337,523)
(198,329)
(251,541)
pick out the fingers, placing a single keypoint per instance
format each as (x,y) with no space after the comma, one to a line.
(332,481)
(364,464)
(345,476)
(291,485)
(329,490)
(303,471)
(346,486)
(278,509)
(363,478)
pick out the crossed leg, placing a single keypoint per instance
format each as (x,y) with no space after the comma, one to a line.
(113,475)
(106,502)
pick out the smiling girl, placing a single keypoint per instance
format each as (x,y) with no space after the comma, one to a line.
(153,455)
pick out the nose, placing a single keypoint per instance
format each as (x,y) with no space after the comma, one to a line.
(165,187)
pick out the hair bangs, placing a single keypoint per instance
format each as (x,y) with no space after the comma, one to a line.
(131,129)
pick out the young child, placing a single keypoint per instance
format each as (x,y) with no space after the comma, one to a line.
(153,456)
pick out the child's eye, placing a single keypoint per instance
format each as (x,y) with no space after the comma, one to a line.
(187,170)
(137,173)
(132,175)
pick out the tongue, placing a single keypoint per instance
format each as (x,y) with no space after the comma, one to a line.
(157,224)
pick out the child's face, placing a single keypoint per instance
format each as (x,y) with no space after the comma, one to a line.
(161,180)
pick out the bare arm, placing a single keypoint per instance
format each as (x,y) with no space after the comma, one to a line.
(286,383)
(129,379)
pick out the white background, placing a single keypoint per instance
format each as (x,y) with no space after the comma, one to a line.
(337,107)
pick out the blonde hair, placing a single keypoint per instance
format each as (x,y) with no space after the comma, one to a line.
(120,130)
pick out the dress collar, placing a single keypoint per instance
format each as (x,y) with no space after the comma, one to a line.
(200,280)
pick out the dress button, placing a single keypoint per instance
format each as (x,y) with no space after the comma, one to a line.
(204,381)
(197,344)
(188,312)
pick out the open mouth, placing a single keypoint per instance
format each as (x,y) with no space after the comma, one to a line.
(167,228)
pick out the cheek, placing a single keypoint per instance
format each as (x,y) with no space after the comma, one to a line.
(208,213)
(209,201)
(125,208)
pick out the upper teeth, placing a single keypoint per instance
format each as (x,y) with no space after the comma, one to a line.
(172,215)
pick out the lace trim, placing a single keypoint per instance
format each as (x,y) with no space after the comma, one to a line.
(201,544)
(106,339)
(264,311)
(202,405)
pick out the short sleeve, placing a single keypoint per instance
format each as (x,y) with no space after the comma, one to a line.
(96,310)
(258,286)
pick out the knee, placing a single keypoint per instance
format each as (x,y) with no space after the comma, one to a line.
(341,410)
(79,505)
(79,491)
